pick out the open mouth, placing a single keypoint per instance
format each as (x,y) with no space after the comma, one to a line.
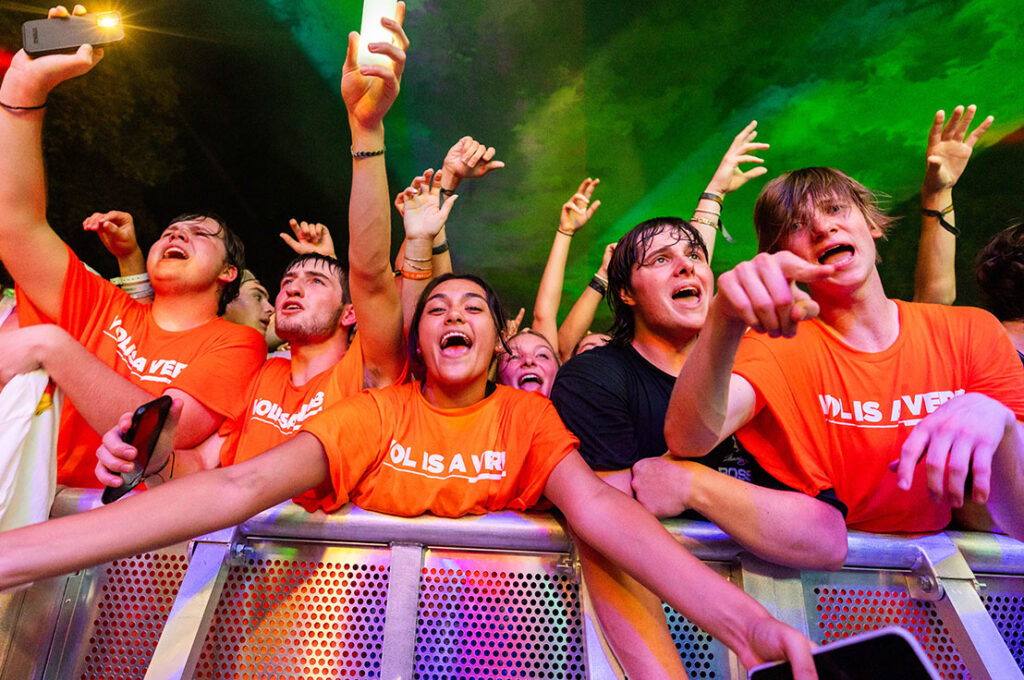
(529,379)
(455,342)
(836,255)
(687,293)
(291,306)
(175,253)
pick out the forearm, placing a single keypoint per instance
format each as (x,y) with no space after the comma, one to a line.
(22,182)
(577,321)
(935,275)
(640,545)
(413,288)
(170,513)
(133,264)
(442,262)
(785,527)
(549,292)
(371,281)
(696,418)
(1006,500)
(707,209)
(96,390)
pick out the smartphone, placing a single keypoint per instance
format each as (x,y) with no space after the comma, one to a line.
(371,31)
(143,433)
(66,34)
(884,653)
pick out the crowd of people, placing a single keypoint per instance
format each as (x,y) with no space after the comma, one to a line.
(783,413)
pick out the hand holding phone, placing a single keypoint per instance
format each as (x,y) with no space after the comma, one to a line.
(59,35)
(889,652)
(143,434)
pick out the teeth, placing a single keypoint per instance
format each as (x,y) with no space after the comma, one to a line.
(529,377)
(448,338)
(689,291)
(175,253)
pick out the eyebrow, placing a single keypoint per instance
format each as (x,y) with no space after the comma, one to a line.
(464,295)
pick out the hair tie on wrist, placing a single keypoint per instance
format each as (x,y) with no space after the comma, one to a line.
(941,215)
(23,108)
(567,233)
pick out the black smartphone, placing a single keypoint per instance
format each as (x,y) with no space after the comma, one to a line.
(143,433)
(876,655)
(67,34)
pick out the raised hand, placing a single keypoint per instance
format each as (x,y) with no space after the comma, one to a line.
(28,81)
(609,249)
(729,177)
(578,209)
(423,213)
(116,230)
(762,292)
(310,237)
(369,91)
(469,158)
(950,146)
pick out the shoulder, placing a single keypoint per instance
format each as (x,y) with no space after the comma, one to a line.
(600,365)
(222,331)
(957,321)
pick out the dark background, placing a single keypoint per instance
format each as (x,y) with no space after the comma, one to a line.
(233,105)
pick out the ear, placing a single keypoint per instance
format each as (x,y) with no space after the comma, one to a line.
(874,229)
(348,316)
(627,296)
(228,274)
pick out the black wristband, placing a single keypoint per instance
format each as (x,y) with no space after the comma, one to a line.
(600,286)
(941,215)
(442,248)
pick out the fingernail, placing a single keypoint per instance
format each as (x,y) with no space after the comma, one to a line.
(894,465)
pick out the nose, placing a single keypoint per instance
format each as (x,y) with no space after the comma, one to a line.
(822,225)
(685,265)
(528,360)
(292,288)
(454,315)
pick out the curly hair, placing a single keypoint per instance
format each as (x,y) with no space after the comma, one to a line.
(999,271)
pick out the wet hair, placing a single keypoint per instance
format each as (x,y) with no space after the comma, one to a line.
(494,305)
(999,271)
(332,265)
(628,256)
(234,254)
(783,201)
(576,349)
(530,331)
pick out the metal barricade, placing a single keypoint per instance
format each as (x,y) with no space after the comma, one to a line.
(356,594)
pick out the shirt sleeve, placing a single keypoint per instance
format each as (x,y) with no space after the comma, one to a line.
(222,370)
(351,456)
(549,445)
(994,368)
(591,401)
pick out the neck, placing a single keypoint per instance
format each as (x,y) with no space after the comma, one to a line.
(667,353)
(1016,332)
(865,319)
(310,360)
(184,311)
(444,395)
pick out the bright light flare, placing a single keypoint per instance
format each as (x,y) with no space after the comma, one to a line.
(108,19)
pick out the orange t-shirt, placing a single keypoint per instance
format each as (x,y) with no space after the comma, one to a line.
(831,417)
(275,409)
(211,363)
(390,451)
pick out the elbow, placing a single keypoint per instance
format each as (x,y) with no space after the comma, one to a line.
(683,443)
(828,547)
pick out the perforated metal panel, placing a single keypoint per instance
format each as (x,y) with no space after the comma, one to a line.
(498,616)
(133,598)
(852,602)
(1004,599)
(704,657)
(299,611)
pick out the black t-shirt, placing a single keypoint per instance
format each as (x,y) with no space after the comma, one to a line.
(615,401)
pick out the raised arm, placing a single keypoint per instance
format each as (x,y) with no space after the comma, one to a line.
(423,215)
(728,177)
(369,92)
(575,213)
(32,252)
(577,321)
(618,527)
(949,149)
